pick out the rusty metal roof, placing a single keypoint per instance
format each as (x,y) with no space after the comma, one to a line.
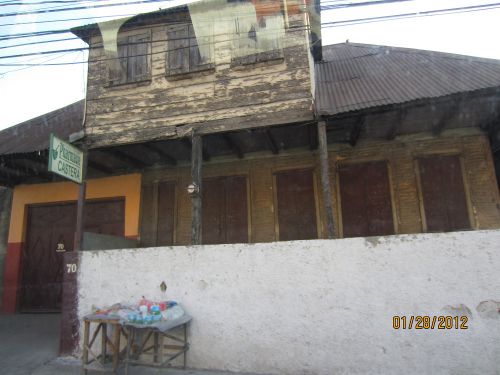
(358,76)
(33,135)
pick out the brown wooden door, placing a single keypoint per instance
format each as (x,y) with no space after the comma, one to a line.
(365,199)
(50,232)
(443,193)
(296,205)
(48,228)
(225,210)
(158,214)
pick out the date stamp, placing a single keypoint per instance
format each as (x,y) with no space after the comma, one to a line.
(430,322)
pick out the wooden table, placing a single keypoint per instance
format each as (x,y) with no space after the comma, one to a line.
(156,341)
(111,331)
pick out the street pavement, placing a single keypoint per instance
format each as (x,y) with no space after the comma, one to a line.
(29,345)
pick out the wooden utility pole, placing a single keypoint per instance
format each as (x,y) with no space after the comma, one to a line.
(196,196)
(80,207)
(325,179)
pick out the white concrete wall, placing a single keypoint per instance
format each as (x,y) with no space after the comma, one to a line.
(320,307)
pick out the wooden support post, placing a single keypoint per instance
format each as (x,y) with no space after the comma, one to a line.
(81,205)
(69,314)
(196,175)
(325,179)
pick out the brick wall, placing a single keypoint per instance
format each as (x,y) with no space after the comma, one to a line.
(473,149)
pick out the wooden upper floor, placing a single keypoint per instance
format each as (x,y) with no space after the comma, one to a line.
(209,67)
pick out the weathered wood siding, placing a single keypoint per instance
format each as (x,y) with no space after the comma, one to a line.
(224,98)
(472,147)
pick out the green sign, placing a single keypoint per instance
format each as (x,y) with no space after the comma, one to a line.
(65,159)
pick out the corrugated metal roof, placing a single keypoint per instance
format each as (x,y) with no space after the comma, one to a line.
(33,135)
(357,76)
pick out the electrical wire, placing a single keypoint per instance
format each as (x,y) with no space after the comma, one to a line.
(15,14)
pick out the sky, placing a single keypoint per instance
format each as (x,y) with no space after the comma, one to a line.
(27,92)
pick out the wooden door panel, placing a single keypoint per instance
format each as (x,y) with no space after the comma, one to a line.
(443,192)
(365,199)
(225,210)
(166,214)
(296,205)
(236,210)
(42,265)
(51,228)
(213,211)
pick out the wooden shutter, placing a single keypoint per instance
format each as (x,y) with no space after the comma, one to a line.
(178,49)
(158,214)
(138,59)
(365,199)
(225,210)
(443,193)
(118,67)
(296,205)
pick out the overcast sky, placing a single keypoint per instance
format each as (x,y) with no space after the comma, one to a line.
(29,92)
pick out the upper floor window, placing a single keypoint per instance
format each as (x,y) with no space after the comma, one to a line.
(257,41)
(133,62)
(186,53)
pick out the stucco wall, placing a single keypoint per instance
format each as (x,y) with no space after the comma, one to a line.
(320,307)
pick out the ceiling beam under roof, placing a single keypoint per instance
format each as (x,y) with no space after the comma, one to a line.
(162,154)
(125,158)
(439,124)
(398,121)
(312,132)
(233,145)
(271,142)
(99,167)
(356,130)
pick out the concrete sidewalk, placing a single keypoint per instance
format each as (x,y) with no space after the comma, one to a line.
(29,345)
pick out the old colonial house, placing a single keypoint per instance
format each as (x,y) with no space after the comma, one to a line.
(285,140)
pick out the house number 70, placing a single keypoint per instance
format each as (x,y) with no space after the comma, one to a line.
(71,267)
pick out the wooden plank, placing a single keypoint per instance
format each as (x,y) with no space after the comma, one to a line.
(325,179)
(196,199)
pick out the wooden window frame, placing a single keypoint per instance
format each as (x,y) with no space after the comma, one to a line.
(316,189)
(126,79)
(257,58)
(390,176)
(468,200)
(186,70)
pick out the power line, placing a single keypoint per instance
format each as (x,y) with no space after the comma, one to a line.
(427,13)
(13,14)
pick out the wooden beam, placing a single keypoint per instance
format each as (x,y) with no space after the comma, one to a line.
(232,145)
(312,133)
(325,179)
(356,130)
(124,157)
(160,152)
(187,142)
(393,128)
(196,199)
(438,125)
(271,142)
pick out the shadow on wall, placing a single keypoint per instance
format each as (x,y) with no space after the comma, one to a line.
(5,206)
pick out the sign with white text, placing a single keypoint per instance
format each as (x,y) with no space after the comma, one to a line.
(65,159)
